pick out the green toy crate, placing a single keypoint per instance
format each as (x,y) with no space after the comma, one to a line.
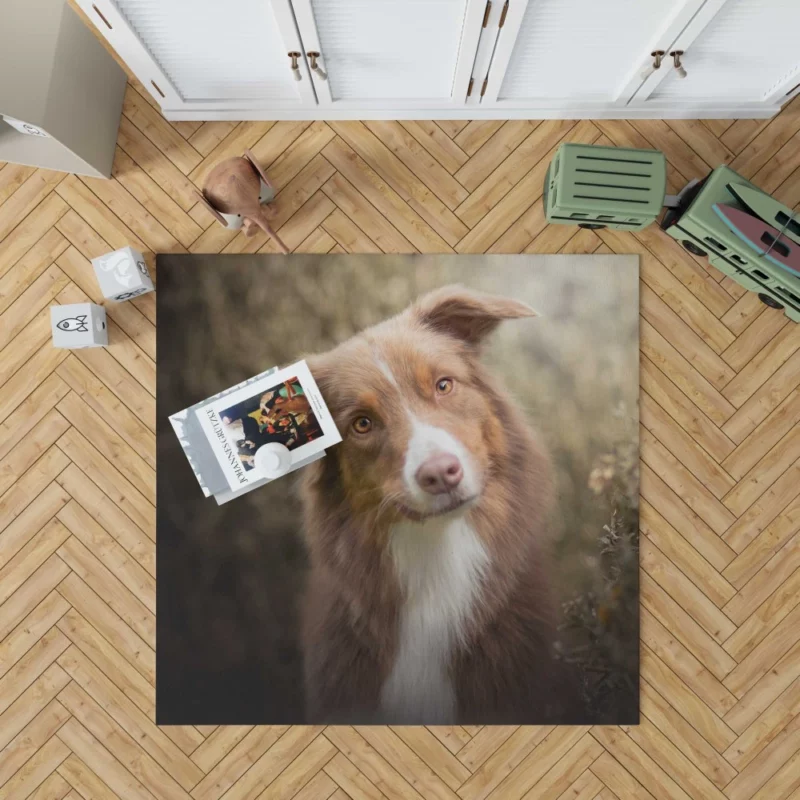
(605,187)
(697,227)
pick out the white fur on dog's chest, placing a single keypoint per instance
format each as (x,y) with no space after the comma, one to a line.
(439,565)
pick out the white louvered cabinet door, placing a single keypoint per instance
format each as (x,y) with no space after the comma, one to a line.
(748,51)
(208,54)
(390,53)
(579,54)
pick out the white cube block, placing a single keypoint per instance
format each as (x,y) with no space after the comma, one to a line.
(122,274)
(79,325)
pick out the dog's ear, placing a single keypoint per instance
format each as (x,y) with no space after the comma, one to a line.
(469,316)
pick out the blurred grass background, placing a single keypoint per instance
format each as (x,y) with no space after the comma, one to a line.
(230,577)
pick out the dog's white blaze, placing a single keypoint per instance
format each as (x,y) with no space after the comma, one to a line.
(439,564)
(384,368)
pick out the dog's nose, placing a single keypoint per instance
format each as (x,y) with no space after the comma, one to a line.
(439,473)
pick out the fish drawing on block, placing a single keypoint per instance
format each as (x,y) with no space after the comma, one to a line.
(764,239)
(74,324)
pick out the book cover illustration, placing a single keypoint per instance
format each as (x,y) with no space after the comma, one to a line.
(221,434)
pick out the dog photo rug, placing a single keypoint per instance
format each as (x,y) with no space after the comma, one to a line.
(468,554)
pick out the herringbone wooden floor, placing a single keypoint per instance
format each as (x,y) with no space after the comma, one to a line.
(720,405)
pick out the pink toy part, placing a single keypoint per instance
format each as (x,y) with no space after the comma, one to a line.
(764,239)
(769,209)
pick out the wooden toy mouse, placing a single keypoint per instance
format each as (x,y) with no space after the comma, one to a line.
(235,193)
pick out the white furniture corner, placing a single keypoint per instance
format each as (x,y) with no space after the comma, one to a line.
(462,59)
(57,77)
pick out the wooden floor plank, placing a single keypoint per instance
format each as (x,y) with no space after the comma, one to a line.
(354,206)
(31,593)
(367,760)
(683,411)
(136,108)
(110,588)
(109,479)
(438,144)
(507,174)
(380,158)
(27,526)
(209,135)
(153,161)
(101,544)
(16,282)
(765,728)
(93,607)
(683,736)
(85,783)
(36,770)
(769,687)
(692,635)
(684,375)
(102,764)
(32,737)
(30,630)
(236,763)
(26,198)
(218,744)
(475,134)
(12,176)
(130,718)
(764,400)
(278,757)
(31,702)
(384,198)
(493,152)
(30,230)
(109,516)
(503,762)
(684,520)
(144,189)
(119,744)
(683,447)
(780,567)
(300,152)
(686,484)
(30,413)
(419,161)
(40,547)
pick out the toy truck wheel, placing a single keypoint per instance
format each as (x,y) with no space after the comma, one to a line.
(592,226)
(769,301)
(693,248)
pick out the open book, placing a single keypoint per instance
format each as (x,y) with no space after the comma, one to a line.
(222,434)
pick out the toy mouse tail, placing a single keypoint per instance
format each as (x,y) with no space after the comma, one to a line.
(263,223)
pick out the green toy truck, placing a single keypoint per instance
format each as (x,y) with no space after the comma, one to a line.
(610,187)
(605,187)
(701,231)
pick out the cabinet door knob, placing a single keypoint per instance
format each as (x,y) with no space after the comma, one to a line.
(676,60)
(294,55)
(657,55)
(313,56)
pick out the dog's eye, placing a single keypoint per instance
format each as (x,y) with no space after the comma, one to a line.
(362,425)
(444,385)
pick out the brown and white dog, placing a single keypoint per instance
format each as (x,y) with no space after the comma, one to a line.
(427,599)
